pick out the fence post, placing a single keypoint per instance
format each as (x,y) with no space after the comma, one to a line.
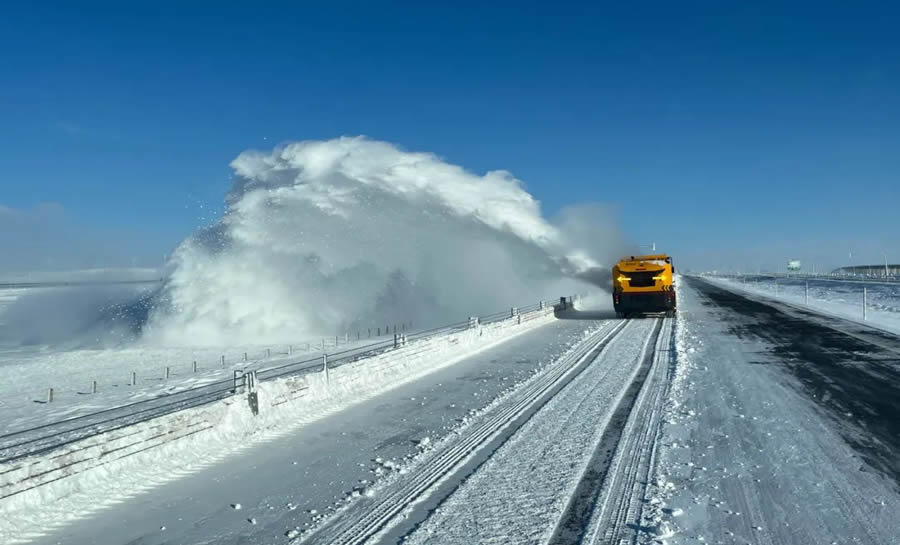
(133,378)
(167,372)
(93,386)
(245,356)
(49,395)
(335,340)
(865,296)
(379,332)
(194,366)
(223,360)
(370,332)
(325,367)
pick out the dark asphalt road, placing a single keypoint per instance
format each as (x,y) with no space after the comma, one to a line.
(849,370)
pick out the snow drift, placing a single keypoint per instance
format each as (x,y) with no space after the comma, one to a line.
(325,236)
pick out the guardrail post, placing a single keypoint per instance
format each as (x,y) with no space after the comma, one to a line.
(252,396)
(473,322)
(194,366)
(335,340)
(807,293)
(268,353)
(396,340)
(93,386)
(290,349)
(325,367)
(133,378)
(49,395)
(541,305)
(223,360)
(519,319)
(167,372)
(865,296)
(245,356)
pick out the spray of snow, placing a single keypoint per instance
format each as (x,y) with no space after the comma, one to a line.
(324,236)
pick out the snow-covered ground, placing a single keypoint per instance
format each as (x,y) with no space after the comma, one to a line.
(747,454)
(844,299)
(748,457)
(29,370)
(290,481)
(224,428)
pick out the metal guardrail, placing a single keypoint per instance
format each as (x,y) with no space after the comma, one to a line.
(41,439)
(872,279)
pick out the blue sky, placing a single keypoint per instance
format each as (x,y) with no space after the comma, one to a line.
(751,134)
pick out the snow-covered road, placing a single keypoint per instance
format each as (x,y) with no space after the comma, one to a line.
(778,429)
(293,481)
(522,491)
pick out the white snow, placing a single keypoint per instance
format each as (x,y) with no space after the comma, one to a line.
(322,235)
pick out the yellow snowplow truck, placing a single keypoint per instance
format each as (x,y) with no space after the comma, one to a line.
(644,284)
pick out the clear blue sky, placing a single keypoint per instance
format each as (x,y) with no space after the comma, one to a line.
(758,132)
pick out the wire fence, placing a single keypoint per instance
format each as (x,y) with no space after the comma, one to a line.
(47,437)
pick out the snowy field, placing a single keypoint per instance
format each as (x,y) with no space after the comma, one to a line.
(840,298)
(30,370)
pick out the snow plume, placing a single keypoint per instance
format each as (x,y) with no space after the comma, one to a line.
(339,235)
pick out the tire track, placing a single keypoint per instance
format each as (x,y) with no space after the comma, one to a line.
(372,518)
(615,517)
